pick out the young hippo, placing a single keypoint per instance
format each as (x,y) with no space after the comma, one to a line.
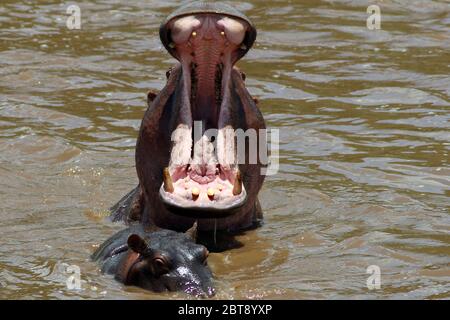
(157,260)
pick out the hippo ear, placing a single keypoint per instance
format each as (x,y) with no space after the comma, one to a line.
(192,232)
(137,244)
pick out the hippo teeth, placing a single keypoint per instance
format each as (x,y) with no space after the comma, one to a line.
(237,188)
(168,184)
(195,193)
(211,192)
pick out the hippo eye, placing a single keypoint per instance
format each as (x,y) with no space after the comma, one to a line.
(161,263)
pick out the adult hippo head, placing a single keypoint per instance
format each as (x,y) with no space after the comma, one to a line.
(188,160)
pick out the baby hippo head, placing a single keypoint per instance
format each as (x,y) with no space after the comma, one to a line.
(167,260)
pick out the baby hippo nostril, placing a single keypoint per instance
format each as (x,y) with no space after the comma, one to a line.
(199,293)
(210,292)
(194,290)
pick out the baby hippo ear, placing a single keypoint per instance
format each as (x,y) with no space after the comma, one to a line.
(192,232)
(137,244)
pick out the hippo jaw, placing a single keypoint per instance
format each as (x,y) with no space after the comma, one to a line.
(203,179)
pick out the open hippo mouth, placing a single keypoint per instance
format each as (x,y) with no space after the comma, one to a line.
(203,174)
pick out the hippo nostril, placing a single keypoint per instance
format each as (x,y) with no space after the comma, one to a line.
(193,291)
(210,292)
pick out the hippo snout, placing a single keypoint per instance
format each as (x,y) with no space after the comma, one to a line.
(199,292)
(194,280)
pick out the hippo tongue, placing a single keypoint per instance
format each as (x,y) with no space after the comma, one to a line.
(203,166)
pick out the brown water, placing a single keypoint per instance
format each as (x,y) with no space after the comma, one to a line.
(364,123)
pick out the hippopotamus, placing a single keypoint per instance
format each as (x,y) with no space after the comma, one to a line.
(157,260)
(187,153)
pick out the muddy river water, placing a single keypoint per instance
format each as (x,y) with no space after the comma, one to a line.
(363,116)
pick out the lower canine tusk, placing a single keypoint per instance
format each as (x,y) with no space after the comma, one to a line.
(237,188)
(167,179)
(195,193)
(211,192)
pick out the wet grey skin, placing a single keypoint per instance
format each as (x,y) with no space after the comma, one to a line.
(177,183)
(157,260)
